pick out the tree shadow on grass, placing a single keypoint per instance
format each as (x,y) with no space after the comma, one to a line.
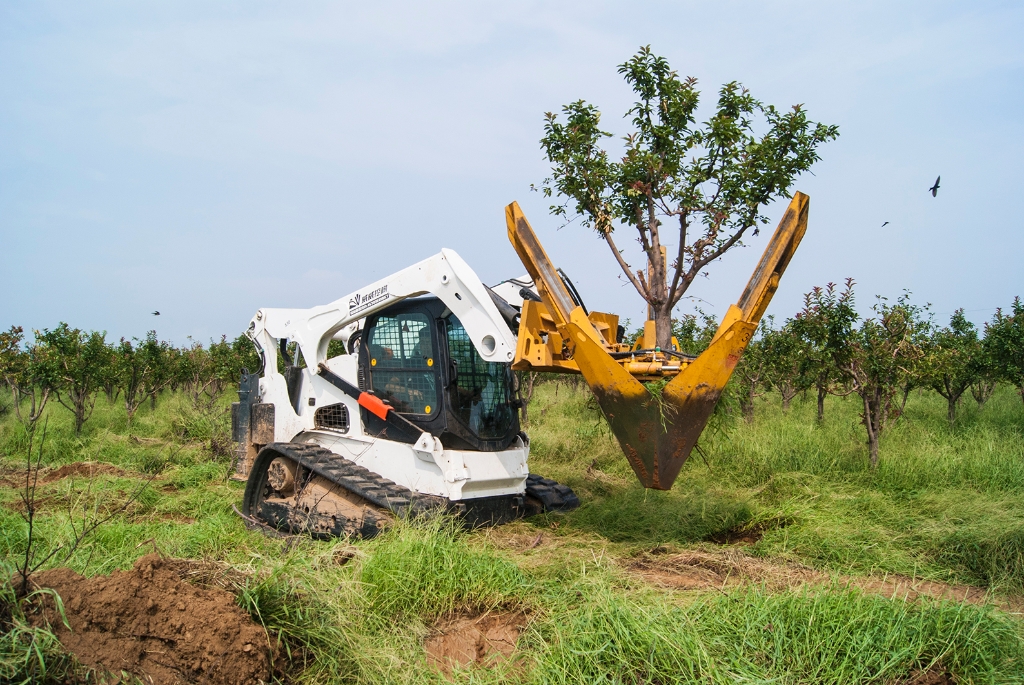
(633,514)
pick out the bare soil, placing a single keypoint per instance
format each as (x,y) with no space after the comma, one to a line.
(933,676)
(466,639)
(703,570)
(151,622)
(15,478)
(84,469)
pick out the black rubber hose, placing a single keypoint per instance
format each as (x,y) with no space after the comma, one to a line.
(573,293)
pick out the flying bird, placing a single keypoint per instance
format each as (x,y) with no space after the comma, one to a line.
(935,188)
(885,224)
(156,313)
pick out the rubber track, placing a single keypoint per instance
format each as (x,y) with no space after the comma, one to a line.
(358,480)
(552,495)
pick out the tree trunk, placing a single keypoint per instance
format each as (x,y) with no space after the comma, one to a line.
(822,391)
(906,395)
(747,404)
(663,328)
(525,388)
(81,408)
(981,391)
(951,403)
(788,392)
(79,419)
(872,422)
(873,449)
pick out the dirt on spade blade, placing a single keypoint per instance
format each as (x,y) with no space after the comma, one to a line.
(150,622)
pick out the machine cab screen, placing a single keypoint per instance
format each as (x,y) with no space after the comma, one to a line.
(418,357)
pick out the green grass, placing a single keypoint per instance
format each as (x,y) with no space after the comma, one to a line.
(946,503)
(839,636)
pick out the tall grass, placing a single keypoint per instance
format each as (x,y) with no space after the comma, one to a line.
(30,655)
(361,623)
(840,636)
(946,503)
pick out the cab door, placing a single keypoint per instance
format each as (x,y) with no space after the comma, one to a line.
(400,365)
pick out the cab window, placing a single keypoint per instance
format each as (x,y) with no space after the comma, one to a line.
(402,363)
(480,394)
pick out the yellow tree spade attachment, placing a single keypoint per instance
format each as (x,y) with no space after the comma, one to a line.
(656,434)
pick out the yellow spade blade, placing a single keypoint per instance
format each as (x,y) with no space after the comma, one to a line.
(657,433)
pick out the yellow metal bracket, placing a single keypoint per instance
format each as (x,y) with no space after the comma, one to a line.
(656,432)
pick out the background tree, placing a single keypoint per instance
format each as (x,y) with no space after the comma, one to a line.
(710,180)
(693,332)
(21,373)
(884,352)
(73,362)
(751,371)
(247,355)
(986,375)
(109,381)
(525,383)
(195,373)
(1004,338)
(141,370)
(785,362)
(825,325)
(953,361)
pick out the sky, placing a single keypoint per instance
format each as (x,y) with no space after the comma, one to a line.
(206,159)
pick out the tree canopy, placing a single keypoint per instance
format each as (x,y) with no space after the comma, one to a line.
(712,179)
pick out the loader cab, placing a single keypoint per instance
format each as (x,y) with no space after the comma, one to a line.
(417,356)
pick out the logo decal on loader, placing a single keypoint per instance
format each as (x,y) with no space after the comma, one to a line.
(367,300)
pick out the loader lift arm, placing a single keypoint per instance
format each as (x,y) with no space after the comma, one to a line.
(656,434)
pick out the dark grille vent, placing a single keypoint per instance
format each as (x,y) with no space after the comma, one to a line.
(363,385)
(333,417)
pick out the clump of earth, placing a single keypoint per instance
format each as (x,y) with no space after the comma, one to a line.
(150,622)
(465,639)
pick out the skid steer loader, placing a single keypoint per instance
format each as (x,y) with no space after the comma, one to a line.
(412,410)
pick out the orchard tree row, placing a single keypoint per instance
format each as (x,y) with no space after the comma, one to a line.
(828,349)
(73,366)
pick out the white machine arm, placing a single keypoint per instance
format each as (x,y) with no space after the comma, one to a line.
(445,275)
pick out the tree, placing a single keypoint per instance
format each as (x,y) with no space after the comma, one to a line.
(751,371)
(825,325)
(21,373)
(784,360)
(525,382)
(1004,338)
(711,180)
(987,373)
(73,362)
(248,355)
(953,361)
(694,332)
(141,370)
(884,352)
(196,373)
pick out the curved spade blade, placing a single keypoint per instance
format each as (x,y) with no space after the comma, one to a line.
(657,434)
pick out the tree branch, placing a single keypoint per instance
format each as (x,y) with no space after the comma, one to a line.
(625,267)
(679,261)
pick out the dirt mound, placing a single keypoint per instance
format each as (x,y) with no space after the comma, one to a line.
(85,469)
(482,639)
(698,570)
(152,623)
